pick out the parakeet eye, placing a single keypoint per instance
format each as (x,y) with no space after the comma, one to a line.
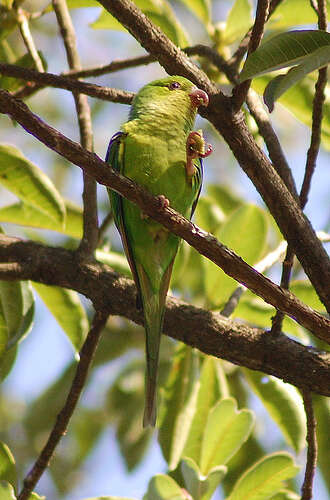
(174,85)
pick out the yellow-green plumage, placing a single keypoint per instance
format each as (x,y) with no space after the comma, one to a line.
(151,150)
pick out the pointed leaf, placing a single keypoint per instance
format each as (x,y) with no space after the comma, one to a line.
(265,477)
(7,465)
(239,21)
(66,308)
(283,50)
(284,404)
(201,487)
(29,183)
(16,312)
(225,432)
(27,215)
(213,386)
(163,487)
(160,13)
(178,404)
(245,232)
(213,480)
(201,8)
(318,59)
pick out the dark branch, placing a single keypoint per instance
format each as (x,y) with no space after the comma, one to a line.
(63,418)
(209,332)
(307,487)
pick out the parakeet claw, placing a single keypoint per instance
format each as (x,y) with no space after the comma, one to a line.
(196,147)
(164,202)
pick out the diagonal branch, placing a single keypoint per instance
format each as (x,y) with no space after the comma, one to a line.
(63,418)
(209,332)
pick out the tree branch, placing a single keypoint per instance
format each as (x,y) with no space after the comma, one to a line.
(63,418)
(293,224)
(307,487)
(210,332)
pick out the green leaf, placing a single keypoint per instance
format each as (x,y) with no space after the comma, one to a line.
(283,50)
(66,308)
(245,232)
(305,292)
(284,404)
(213,386)
(27,215)
(239,21)
(286,495)
(7,465)
(125,402)
(160,13)
(201,487)
(178,404)
(225,198)
(265,477)
(12,84)
(7,361)
(109,498)
(116,260)
(163,487)
(318,59)
(226,430)
(208,215)
(29,183)
(201,9)
(6,491)
(322,413)
(16,312)
(292,13)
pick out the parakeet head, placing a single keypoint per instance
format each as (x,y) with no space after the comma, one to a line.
(168,98)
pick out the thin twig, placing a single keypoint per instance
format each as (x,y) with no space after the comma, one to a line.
(63,418)
(312,154)
(307,487)
(90,221)
(240,92)
(28,39)
(104,226)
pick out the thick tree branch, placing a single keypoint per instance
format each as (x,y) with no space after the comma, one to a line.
(204,242)
(209,332)
(293,224)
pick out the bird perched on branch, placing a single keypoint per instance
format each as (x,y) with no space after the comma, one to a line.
(157,149)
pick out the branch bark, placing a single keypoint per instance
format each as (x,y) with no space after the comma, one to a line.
(210,332)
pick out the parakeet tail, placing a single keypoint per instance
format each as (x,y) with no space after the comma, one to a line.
(153,309)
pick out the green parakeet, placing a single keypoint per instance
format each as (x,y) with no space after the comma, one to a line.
(158,151)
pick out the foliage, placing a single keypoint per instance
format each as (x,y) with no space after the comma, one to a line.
(210,425)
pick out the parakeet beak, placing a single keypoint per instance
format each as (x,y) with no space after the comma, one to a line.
(199,97)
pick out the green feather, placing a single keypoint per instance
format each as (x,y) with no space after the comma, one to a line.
(151,150)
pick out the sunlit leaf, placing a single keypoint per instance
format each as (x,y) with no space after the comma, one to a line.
(16,312)
(6,491)
(284,404)
(201,8)
(225,198)
(292,13)
(213,386)
(281,83)
(226,430)
(305,292)
(244,232)
(163,487)
(116,260)
(208,214)
(7,465)
(160,13)
(285,495)
(178,404)
(199,486)
(27,215)
(29,183)
(283,50)
(239,21)
(265,477)
(66,308)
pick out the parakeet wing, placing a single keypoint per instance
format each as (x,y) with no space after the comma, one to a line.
(114,157)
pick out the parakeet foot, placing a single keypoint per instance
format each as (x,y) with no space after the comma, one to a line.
(196,147)
(164,202)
